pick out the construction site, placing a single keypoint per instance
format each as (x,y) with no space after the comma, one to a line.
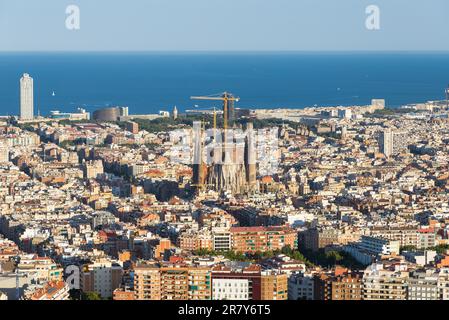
(233,167)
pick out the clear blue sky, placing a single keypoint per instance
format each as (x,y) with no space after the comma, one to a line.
(211,25)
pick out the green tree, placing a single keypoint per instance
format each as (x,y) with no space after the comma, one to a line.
(408,248)
(90,296)
(440,249)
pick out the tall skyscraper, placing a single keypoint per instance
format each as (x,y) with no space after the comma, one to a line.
(26,98)
(386,142)
(392,142)
(124,111)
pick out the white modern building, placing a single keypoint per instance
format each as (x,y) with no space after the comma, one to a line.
(124,111)
(392,142)
(26,98)
(301,286)
(81,114)
(386,142)
(384,283)
(230,289)
(345,113)
(369,248)
(443,284)
(102,277)
(423,285)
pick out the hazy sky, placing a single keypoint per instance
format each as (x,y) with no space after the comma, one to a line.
(250,25)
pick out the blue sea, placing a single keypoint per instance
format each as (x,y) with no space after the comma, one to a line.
(150,82)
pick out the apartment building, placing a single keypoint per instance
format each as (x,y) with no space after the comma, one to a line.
(324,236)
(385,283)
(368,248)
(44,268)
(406,235)
(423,285)
(301,286)
(378,245)
(252,239)
(443,284)
(161,248)
(248,283)
(132,127)
(154,281)
(347,286)
(147,282)
(191,240)
(339,284)
(317,238)
(426,238)
(274,285)
(392,142)
(102,277)
(231,289)
(241,283)
(222,240)
(92,169)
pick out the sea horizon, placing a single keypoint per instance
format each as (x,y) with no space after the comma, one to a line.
(151,81)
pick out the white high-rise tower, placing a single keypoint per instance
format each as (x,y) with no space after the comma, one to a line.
(393,142)
(386,142)
(26,98)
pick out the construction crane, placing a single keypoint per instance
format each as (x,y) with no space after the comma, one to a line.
(227,99)
(214,112)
